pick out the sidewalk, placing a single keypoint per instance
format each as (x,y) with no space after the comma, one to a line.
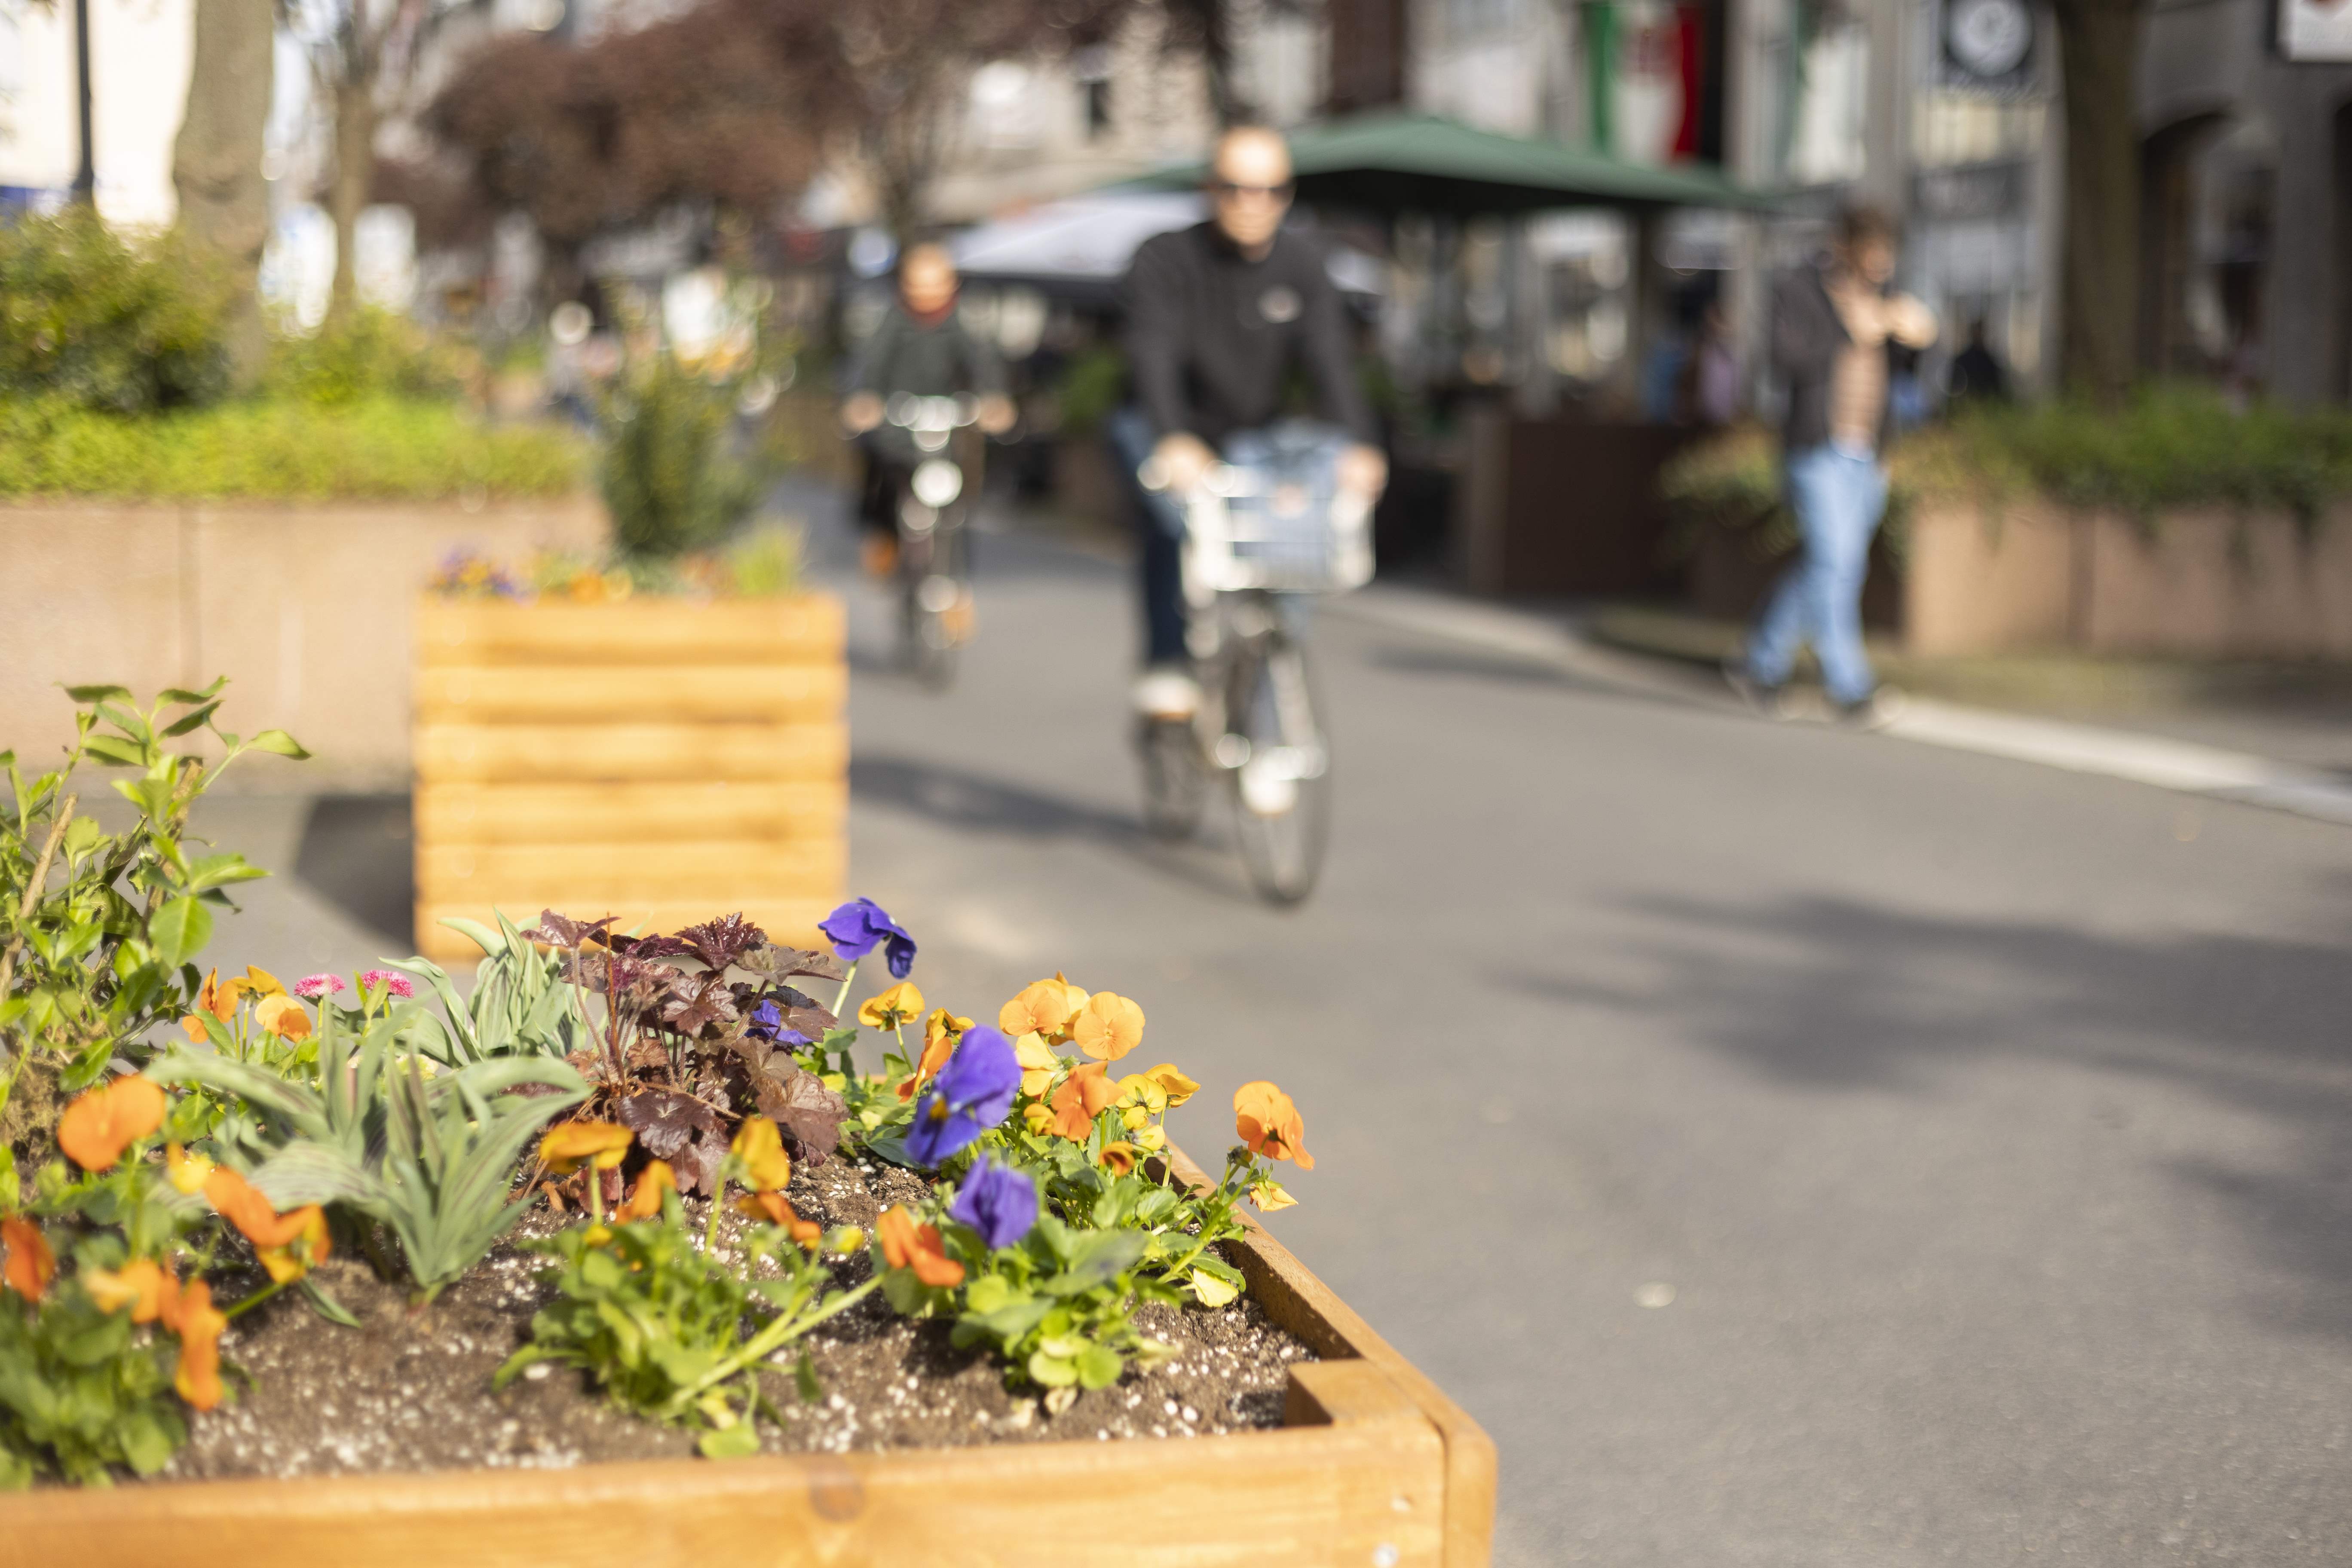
(2263,735)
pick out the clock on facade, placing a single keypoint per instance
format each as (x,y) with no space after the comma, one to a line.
(1988,40)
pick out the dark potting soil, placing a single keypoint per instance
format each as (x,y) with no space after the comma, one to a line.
(409,1392)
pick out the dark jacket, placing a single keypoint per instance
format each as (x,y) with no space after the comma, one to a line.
(935,361)
(1212,337)
(1807,338)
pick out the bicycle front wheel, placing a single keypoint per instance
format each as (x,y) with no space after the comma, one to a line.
(1282,784)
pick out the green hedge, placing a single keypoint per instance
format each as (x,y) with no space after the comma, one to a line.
(2172,448)
(372,448)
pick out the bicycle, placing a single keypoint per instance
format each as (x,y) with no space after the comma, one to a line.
(934,439)
(1263,530)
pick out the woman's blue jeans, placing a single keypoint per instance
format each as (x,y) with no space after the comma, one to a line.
(1838,496)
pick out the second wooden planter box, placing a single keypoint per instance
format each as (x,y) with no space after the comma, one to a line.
(657,760)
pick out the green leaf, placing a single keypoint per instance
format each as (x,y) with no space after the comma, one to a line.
(98,693)
(1051,1370)
(327,1307)
(181,694)
(1099,1366)
(179,930)
(188,721)
(804,1380)
(280,744)
(220,871)
(116,753)
(736,1442)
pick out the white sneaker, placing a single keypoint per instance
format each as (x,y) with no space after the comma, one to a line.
(1165,691)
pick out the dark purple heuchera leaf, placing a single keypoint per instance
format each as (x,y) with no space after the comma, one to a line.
(808,1114)
(563,930)
(650,947)
(694,1002)
(664,1120)
(773,962)
(720,942)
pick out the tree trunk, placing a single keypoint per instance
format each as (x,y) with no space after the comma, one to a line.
(217,161)
(2098,46)
(354,173)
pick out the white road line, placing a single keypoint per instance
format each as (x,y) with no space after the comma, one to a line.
(2178,766)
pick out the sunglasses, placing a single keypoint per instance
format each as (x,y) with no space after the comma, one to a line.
(1227,190)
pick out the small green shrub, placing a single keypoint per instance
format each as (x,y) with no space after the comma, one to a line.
(96,321)
(1091,385)
(668,475)
(375,448)
(373,354)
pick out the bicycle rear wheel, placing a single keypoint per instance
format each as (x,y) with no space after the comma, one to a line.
(1282,786)
(936,606)
(1174,786)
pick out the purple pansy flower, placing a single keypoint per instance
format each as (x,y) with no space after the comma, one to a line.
(860,926)
(972,1093)
(997,1201)
(310,987)
(767,1023)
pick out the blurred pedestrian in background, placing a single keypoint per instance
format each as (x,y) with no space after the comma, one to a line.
(1832,324)
(921,350)
(1709,394)
(1977,374)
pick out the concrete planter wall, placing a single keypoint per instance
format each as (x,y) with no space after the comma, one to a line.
(308,608)
(2201,585)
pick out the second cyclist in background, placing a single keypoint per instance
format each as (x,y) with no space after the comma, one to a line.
(919,350)
(1219,319)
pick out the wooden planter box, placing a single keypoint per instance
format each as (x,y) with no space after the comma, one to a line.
(1372,1466)
(663,761)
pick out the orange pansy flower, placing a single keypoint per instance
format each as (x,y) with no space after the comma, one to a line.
(199,1326)
(1083,1095)
(96,1128)
(907,1245)
(602,1144)
(1108,1027)
(187,1173)
(777,1209)
(645,1197)
(1179,1088)
(760,1148)
(241,1204)
(1120,1157)
(217,999)
(1044,1007)
(1270,1124)
(143,1285)
(940,1032)
(902,1003)
(30,1264)
(283,1016)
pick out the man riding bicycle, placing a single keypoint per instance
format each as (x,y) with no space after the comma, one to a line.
(1218,318)
(918,348)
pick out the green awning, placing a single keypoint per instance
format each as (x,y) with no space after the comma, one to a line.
(1390,161)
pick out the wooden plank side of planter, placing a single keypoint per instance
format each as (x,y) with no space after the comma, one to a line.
(1298,1301)
(629,813)
(807,630)
(785,920)
(605,691)
(1353,1492)
(564,754)
(624,873)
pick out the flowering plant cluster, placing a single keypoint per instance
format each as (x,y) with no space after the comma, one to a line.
(621,1077)
(765,565)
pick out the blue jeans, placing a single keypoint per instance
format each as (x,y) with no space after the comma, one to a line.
(1159,533)
(1838,496)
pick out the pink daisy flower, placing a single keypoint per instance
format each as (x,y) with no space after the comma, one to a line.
(310,987)
(392,982)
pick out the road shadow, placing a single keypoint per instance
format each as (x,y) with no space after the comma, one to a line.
(973,803)
(1844,993)
(358,852)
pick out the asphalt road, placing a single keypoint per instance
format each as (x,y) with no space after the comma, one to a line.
(1985,1125)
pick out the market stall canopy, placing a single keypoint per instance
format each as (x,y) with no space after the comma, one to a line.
(1079,248)
(1390,162)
